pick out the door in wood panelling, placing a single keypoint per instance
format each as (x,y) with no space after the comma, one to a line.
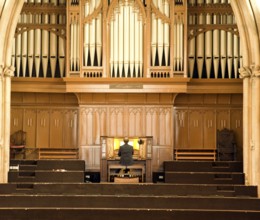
(236,124)
(43,128)
(195,129)
(56,127)
(209,129)
(180,128)
(29,124)
(70,128)
(223,119)
(16,120)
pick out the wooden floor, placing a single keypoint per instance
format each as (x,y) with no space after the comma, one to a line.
(182,196)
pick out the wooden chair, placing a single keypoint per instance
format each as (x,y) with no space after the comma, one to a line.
(226,145)
(17,144)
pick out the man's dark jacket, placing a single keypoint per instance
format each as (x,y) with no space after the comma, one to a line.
(126,152)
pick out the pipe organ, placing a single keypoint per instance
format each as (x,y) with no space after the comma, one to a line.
(39,42)
(214,47)
(127,39)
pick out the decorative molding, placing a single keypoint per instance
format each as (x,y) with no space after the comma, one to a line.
(134,110)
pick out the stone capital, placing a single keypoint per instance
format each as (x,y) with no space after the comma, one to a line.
(6,71)
(245,72)
(256,71)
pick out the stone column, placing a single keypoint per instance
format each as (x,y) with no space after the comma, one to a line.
(256,126)
(245,74)
(5,112)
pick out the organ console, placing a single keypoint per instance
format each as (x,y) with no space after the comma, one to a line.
(142,156)
(127,39)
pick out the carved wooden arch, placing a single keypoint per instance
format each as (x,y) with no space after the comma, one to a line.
(194,32)
(60,31)
(94,14)
(159,14)
(114,4)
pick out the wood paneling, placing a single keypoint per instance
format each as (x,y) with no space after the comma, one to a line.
(43,128)
(209,129)
(16,120)
(195,129)
(29,126)
(205,114)
(56,128)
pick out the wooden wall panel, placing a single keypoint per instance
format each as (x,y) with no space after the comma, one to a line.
(223,119)
(236,123)
(181,128)
(70,134)
(16,123)
(43,128)
(127,120)
(29,126)
(195,129)
(217,111)
(161,154)
(209,129)
(56,128)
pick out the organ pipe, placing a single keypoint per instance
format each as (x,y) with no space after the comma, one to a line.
(93,34)
(30,47)
(141,47)
(126,48)
(115,51)
(37,44)
(191,53)
(62,20)
(99,39)
(53,44)
(200,44)
(24,46)
(178,45)
(208,44)
(112,46)
(137,45)
(131,41)
(45,43)
(166,33)
(121,39)
(86,36)
(216,39)
(160,35)
(223,46)
(229,47)
(18,51)
(154,38)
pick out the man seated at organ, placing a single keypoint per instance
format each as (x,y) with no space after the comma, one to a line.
(125,153)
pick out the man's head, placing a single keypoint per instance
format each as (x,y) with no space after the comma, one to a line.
(126,140)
